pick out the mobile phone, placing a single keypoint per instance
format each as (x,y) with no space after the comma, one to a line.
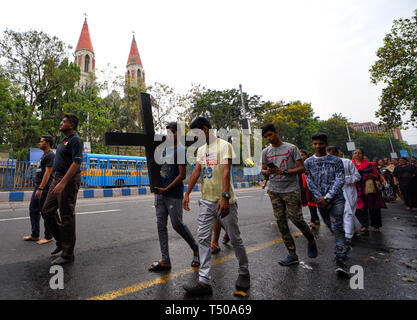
(271,165)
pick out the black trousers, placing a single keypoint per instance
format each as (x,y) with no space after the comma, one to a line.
(35,212)
(62,226)
(372,214)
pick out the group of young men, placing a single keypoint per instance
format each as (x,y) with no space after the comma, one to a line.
(281,161)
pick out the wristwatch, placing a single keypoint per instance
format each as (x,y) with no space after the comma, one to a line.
(41,189)
(285,172)
(226,195)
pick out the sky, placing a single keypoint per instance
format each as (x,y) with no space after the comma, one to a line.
(318,51)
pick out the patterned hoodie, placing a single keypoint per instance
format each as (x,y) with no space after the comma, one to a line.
(325,176)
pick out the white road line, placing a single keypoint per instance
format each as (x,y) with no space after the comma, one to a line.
(78,213)
(149,198)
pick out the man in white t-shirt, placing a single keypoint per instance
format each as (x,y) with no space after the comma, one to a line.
(218,203)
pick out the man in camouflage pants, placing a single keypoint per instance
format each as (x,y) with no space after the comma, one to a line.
(282,162)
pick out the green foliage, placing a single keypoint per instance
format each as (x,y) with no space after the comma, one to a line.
(224,108)
(335,128)
(295,122)
(378,145)
(396,67)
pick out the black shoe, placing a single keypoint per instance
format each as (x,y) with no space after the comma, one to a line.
(198,289)
(312,249)
(341,268)
(243,282)
(62,260)
(58,249)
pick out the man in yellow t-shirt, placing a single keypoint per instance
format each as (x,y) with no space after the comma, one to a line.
(218,203)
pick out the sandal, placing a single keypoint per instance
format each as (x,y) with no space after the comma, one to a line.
(157,266)
(30,238)
(214,248)
(226,239)
(196,262)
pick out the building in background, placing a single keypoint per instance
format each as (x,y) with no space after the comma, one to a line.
(134,69)
(370,127)
(84,57)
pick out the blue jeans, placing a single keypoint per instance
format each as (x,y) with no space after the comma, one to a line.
(172,207)
(336,225)
(35,211)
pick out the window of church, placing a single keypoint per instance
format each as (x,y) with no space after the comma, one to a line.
(139,73)
(87,63)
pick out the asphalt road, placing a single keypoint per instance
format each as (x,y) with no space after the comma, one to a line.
(117,240)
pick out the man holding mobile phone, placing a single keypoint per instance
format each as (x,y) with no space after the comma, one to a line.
(283,162)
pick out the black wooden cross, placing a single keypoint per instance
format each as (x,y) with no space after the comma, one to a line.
(146,139)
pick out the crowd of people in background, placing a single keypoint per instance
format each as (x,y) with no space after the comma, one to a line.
(381,181)
(348,194)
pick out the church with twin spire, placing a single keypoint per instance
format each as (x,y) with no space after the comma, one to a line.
(85,59)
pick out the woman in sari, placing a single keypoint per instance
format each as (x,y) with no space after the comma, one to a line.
(370,199)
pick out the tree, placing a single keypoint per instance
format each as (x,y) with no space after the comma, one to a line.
(335,128)
(397,68)
(295,122)
(37,68)
(377,145)
(224,108)
(167,105)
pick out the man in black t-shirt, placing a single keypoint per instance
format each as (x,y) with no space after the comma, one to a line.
(63,192)
(168,201)
(43,180)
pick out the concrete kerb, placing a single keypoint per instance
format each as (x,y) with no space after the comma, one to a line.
(20,196)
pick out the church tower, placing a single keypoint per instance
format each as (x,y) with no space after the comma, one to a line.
(134,68)
(84,55)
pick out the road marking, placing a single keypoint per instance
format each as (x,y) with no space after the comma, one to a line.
(163,279)
(78,213)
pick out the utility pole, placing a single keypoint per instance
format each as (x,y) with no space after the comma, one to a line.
(88,123)
(246,127)
(347,129)
(392,148)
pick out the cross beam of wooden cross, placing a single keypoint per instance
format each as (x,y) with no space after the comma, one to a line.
(146,139)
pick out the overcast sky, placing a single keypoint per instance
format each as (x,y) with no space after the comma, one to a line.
(314,51)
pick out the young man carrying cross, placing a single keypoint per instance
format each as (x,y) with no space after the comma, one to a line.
(168,201)
(218,203)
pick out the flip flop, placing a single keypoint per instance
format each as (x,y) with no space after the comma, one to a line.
(196,262)
(157,266)
(30,238)
(44,240)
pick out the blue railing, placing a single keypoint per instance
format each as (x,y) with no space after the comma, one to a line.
(20,175)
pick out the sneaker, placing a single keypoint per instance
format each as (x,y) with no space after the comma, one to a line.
(243,282)
(341,268)
(214,249)
(312,249)
(198,289)
(289,260)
